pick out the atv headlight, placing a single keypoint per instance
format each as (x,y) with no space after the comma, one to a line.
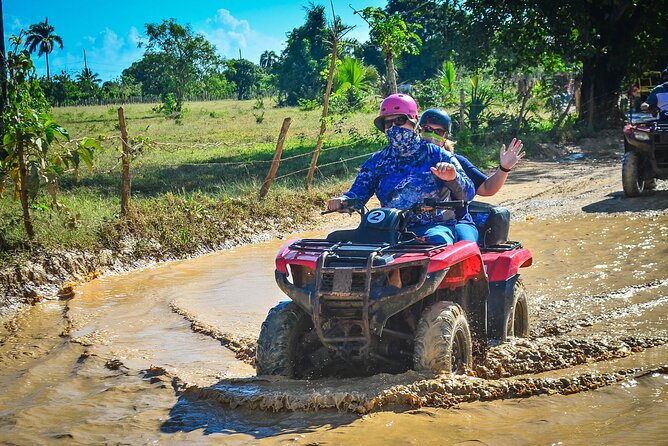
(641,136)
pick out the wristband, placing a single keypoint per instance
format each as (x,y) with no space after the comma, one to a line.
(503,169)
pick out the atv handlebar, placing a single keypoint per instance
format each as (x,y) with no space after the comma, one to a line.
(354,205)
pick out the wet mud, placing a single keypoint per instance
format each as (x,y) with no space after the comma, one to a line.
(166,354)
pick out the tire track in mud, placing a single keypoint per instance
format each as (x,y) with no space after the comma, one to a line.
(445,391)
(524,356)
(559,321)
(243,348)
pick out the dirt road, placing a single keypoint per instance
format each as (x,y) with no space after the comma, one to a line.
(163,355)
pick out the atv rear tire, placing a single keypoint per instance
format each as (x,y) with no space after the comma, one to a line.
(443,340)
(278,347)
(632,180)
(517,324)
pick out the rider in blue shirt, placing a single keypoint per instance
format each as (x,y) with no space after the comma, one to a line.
(408,170)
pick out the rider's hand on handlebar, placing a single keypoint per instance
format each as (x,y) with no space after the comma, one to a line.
(445,171)
(334,204)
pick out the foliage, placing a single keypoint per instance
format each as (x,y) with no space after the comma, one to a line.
(245,75)
(353,83)
(179,57)
(41,37)
(31,156)
(303,59)
(393,36)
(268,60)
(610,40)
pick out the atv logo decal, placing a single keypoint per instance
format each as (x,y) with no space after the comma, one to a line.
(375,217)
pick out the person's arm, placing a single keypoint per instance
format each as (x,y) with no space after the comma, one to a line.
(363,187)
(507,160)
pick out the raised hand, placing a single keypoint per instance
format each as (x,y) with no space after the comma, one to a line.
(508,158)
(445,171)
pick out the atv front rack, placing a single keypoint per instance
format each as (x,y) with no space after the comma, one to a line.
(384,248)
(344,295)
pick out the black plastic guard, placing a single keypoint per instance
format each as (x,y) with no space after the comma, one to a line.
(499,305)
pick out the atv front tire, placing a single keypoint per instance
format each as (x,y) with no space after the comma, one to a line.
(632,180)
(517,324)
(443,340)
(278,347)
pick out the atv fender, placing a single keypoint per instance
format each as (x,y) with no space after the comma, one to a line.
(501,266)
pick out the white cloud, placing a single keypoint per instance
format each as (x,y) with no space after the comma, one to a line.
(230,34)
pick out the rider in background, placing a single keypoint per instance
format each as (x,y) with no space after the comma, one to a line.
(408,171)
(435,127)
(657,100)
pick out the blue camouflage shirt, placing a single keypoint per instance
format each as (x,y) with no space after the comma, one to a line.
(400,176)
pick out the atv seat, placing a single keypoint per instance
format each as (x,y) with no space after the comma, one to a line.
(493,223)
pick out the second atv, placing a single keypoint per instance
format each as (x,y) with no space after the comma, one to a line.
(378,298)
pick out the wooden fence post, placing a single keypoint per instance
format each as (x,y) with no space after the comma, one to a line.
(125,160)
(277,158)
(461,109)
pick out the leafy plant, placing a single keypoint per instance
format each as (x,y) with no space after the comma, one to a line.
(31,156)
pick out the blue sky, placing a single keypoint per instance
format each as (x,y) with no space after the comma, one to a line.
(109,30)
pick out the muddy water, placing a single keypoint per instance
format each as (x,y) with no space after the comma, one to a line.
(164,355)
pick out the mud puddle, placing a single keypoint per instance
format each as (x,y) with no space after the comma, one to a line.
(165,355)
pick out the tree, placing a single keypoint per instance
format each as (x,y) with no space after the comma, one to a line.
(151,72)
(89,82)
(267,60)
(183,58)
(41,37)
(393,36)
(446,34)
(610,40)
(304,57)
(29,156)
(246,76)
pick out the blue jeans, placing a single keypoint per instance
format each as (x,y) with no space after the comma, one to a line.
(436,233)
(466,231)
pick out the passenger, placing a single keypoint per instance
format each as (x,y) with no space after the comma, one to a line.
(435,127)
(409,170)
(657,100)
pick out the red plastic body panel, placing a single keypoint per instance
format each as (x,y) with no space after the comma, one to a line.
(503,265)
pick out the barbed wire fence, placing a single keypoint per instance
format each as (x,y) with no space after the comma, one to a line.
(131,149)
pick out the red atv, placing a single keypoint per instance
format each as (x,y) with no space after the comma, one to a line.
(378,298)
(646,156)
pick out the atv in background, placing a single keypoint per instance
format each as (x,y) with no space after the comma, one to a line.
(378,298)
(645,155)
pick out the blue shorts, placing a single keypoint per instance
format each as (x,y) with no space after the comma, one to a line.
(466,231)
(441,234)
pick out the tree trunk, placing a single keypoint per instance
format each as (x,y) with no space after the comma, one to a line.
(48,73)
(325,112)
(391,76)
(23,188)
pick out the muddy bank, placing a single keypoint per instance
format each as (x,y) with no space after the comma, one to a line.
(48,275)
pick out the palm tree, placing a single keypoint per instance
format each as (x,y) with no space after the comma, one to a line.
(268,59)
(41,35)
(354,80)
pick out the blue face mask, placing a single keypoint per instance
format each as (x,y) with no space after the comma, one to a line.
(402,139)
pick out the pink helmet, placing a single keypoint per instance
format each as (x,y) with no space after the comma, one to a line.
(396,104)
